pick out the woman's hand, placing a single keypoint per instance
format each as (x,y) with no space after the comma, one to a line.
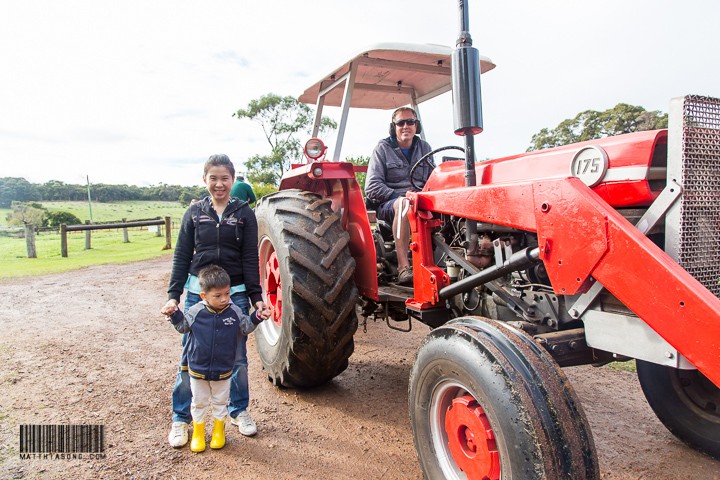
(263,311)
(170,307)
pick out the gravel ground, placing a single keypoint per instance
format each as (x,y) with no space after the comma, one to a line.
(88,347)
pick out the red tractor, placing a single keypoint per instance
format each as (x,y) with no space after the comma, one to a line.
(607,250)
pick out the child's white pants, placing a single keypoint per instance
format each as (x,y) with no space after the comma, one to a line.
(209,394)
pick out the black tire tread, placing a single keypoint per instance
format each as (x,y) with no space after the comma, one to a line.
(545,406)
(686,420)
(310,238)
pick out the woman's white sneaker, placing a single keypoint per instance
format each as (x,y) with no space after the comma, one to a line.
(178,435)
(245,424)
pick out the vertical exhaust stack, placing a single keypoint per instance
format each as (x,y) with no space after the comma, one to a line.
(467,107)
(467,98)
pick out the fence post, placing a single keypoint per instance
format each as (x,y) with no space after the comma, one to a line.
(125,232)
(168,234)
(30,240)
(63,240)
(87,236)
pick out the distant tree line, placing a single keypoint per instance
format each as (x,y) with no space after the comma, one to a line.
(20,190)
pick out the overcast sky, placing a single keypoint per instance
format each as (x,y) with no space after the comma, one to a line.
(142,92)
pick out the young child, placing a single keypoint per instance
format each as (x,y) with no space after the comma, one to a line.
(214,326)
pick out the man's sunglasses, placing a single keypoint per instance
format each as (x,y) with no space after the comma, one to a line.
(402,123)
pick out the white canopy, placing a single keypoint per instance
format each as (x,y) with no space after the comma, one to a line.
(388,76)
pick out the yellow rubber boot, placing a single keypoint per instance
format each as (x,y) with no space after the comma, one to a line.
(197,444)
(218,434)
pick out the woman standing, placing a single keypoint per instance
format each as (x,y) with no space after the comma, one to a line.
(221,230)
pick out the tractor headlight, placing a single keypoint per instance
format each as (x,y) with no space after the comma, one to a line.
(315,148)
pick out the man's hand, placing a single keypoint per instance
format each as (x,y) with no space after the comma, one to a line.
(263,311)
(170,307)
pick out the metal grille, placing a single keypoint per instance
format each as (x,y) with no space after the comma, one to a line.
(698,250)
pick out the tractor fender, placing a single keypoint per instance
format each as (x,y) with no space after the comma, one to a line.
(336,181)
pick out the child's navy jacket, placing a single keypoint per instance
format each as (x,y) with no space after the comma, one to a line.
(213,337)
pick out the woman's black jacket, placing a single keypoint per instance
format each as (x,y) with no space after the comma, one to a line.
(231,243)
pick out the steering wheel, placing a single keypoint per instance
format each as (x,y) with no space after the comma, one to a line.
(425,158)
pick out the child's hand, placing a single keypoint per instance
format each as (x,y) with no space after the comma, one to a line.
(169,308)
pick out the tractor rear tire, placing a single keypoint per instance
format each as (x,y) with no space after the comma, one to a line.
(686,402)
(307,275)
(486,402)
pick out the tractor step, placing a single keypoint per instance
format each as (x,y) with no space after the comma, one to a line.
(394,293)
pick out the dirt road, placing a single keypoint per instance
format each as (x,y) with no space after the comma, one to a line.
(88,347)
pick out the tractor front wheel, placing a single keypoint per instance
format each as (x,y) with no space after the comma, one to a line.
(686,402)
(487,403)
(307,274)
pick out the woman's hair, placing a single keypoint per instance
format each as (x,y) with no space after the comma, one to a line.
(213,277)
(219,160)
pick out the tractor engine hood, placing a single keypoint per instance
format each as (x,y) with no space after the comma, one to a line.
(625,170)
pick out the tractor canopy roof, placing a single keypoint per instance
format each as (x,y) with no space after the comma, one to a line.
(387,76)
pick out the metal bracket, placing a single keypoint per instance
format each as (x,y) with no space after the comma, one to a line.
(503,251)
(646,223)
(630,336)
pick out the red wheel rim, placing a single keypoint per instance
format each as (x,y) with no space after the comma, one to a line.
(471,439)
(271,282)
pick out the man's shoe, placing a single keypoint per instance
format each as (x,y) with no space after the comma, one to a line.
(178,436)
(405,277)
(245,424)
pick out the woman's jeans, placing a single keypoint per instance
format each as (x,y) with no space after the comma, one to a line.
(239,389)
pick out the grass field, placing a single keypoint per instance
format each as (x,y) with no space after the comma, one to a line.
(107,245)
(4,212)
(104,212)
(624,366)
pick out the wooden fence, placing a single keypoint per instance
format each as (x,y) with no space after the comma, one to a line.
(87,228)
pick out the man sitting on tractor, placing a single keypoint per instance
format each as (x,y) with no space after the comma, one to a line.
(388,179)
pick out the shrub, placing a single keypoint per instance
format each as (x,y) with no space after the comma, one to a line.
(263,189)
(184,199)
(55,219)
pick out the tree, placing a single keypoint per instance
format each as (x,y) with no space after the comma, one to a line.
(262,189)
(55,219)
(27,214)
(591,124)
(361,161)
(18,189)
(55,190)
(283,120)
(185,199)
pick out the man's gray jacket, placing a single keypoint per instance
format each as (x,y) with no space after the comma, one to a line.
(388,175)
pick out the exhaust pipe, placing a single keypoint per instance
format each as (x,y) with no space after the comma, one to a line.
(467,98)
(467,106)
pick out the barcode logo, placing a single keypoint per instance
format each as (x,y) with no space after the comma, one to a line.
(62,438)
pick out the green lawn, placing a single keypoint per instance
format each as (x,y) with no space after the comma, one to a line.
(4,212)
(628,366)
(107,245)
(104,212)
